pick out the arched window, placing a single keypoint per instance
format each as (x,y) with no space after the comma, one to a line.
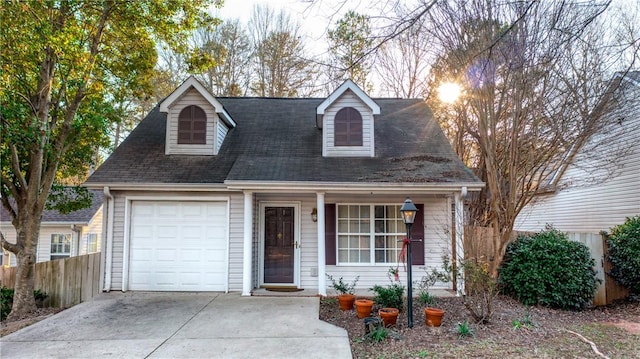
(348,127)
(192,126)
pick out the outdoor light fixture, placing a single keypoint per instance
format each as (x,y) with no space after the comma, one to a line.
(408,211)
(314,214)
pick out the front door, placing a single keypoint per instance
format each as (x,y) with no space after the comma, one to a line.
(279,241)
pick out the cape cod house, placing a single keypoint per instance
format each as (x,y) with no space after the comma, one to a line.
(596,192)
(234,194)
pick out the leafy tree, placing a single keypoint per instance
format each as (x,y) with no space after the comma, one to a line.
(350,45)
(62,68)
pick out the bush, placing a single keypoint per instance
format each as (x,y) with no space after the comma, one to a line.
(624,254)
(6,300)
(481,289)
(389,296)
(548,269)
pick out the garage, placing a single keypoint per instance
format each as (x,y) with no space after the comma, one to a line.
(178,246)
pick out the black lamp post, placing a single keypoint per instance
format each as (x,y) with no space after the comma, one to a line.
(408,211)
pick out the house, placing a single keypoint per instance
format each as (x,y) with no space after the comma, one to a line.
(595,193)
(234,194)
(61,235)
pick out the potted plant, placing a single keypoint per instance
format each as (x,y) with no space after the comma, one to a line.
(433,316)
(389,316)
(390,300)
(363,307)
(345,291)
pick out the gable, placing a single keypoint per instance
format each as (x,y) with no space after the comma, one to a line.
(340,140)
(175,143)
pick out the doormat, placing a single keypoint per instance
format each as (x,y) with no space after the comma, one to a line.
(284,289)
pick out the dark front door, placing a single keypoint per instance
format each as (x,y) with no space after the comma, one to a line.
(278,245)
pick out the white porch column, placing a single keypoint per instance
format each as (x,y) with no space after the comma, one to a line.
(459,222)
(322,268)
(247,258)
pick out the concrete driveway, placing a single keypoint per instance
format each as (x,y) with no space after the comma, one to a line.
(182,325)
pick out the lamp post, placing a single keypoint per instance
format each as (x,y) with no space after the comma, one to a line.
(408,211)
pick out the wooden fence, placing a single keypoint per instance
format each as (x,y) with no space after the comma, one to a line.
(67,282)
(478,243)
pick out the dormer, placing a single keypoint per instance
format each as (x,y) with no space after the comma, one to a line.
(197,123)
(347,122)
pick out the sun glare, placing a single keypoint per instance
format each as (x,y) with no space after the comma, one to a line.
(449,92)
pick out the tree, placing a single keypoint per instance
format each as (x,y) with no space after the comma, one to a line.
(350,46)
(403,62)
(281,69)
(230,46)
(537,88)
(62,67)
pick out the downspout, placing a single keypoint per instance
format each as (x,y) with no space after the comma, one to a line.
(108,239)
(459,223)
(78,231)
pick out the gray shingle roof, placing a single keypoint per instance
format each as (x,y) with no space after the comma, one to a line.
(276,139)
(76,217)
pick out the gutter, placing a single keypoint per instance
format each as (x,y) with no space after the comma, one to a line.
(344,187)
(108,238)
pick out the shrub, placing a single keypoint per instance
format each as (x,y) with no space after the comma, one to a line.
(389,296)
(480,290)
(548,269)
(624,254)
(6,300)
(343,287)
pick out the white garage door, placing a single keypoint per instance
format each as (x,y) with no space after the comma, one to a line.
(178,246)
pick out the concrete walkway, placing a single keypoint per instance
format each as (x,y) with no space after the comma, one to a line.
(182,325)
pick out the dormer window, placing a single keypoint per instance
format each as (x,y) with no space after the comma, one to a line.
(348,127)
(192,126)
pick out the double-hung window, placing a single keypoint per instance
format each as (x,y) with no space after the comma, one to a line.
(369,234)
(92,242)
(60,246)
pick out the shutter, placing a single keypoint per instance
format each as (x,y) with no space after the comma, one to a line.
(330,234)
(417,236)
(355,127)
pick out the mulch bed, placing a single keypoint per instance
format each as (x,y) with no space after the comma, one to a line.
(502,336)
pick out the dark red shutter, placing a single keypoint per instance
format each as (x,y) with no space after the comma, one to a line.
(348,127)
(192,126)
(330,234)
(417,236)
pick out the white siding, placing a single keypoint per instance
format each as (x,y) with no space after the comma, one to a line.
(192,97)
(437,237)
(597,207)
(348,99)
(236,238)
(94,227)
(43,250)
(222,133)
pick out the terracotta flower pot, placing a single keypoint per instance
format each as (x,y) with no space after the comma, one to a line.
(363,306)
(389,316)
(346,301)
(433,316)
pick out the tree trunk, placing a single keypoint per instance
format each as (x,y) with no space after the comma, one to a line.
(23,298)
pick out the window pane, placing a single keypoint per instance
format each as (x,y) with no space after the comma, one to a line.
(343,241)
(353,242)
(343,226)
(380,226)
(365,242)
(343,211)
(354,227)
(343,256)
(365,227)
(364,212)
(379,211)
(354,211)
(364,256)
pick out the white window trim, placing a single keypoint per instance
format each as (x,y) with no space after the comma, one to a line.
(60,254)
(372,235)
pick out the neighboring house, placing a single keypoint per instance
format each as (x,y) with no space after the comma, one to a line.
(593,194)
(61,235)
(233,194)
